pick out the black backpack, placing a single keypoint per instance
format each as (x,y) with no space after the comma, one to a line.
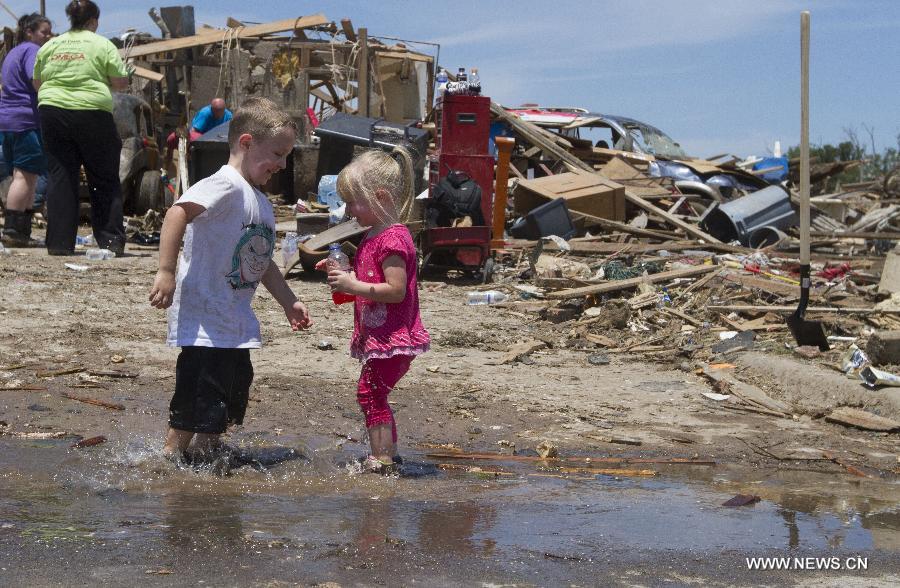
(455,196)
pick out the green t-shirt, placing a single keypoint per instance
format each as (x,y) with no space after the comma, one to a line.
(74,69)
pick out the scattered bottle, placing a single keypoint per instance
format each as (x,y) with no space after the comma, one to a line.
(99,254)
(489,297)
(86,241)
(289,246)
(3,250)
(338,260)
(461,75)
(474,83)
(442,78)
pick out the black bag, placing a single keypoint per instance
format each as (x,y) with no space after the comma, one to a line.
(455,196)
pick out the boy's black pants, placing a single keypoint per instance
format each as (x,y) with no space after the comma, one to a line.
(73,138)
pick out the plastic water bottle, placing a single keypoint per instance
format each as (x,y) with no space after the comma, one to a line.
(442,78)
(99,254)
(489,297)
(3,250)
(474,82)
(328,194)
(338,260)
(289,246)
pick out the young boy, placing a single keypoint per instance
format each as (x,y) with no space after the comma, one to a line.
(228,227)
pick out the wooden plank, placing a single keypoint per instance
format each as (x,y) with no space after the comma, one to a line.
(147,74)
(630,283)
(890,275)
(790,309)
(766,285)
(347,27)
(857,235)
(216,36)
(617,226)
(853,417)
(604,247)
(394,54)
(363,75)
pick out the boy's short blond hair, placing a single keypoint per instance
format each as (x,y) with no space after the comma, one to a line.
(260,118)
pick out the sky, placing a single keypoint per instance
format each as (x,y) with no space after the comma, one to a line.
(719,76)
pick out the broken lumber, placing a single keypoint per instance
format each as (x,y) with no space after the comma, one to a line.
(789,309)
(619,460)
(670,218)
(94,401)
(278,26)
(630,283)
(861,419)
(521,350)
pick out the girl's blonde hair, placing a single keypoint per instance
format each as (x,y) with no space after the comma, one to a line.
(375,170)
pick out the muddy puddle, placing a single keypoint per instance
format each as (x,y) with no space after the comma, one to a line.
(118,514)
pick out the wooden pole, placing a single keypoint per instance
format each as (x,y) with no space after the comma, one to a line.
(505,145)
(363,75)
(804,138)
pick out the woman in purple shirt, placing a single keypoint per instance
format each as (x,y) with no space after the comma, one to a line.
(20,129)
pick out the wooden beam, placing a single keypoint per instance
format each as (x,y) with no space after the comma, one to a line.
(347,26)
(857,235)
(790,309)
(207,38)
(148,74)
(363,72)
(411,55)
(630,283)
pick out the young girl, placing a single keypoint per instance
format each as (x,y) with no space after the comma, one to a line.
(388,331)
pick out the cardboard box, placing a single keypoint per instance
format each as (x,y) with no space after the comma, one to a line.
(588,193)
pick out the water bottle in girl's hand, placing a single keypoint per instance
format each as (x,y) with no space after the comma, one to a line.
(338,260)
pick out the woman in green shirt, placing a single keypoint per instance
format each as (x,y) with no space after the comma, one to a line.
(73,74)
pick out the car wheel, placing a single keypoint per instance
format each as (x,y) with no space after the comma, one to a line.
(149,192)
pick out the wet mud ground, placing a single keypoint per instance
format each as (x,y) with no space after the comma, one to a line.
(117,514)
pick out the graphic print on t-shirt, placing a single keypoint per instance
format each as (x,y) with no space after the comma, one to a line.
(252,256)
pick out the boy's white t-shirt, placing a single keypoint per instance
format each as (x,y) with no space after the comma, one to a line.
(227,248)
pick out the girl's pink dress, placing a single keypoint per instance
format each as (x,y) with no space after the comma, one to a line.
(382,330)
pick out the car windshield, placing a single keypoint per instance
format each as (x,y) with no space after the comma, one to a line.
(653,141)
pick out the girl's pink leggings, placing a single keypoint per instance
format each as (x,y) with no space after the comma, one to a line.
(376,380)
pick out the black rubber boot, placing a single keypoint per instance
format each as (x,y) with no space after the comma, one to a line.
(17,228)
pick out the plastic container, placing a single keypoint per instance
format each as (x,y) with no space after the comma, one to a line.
(328,194)
(738,219)
(489,297)
(86,241)
(547,219)
(289,246)
(474,82)
(338,260)
(99,254)
(442,78)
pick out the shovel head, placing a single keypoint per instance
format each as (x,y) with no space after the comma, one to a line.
(807,332)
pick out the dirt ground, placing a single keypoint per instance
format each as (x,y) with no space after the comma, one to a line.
(56,319)
(98,324)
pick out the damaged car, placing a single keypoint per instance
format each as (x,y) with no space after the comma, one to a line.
(599,137)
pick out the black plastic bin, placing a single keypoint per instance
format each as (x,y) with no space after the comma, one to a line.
(547,219)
